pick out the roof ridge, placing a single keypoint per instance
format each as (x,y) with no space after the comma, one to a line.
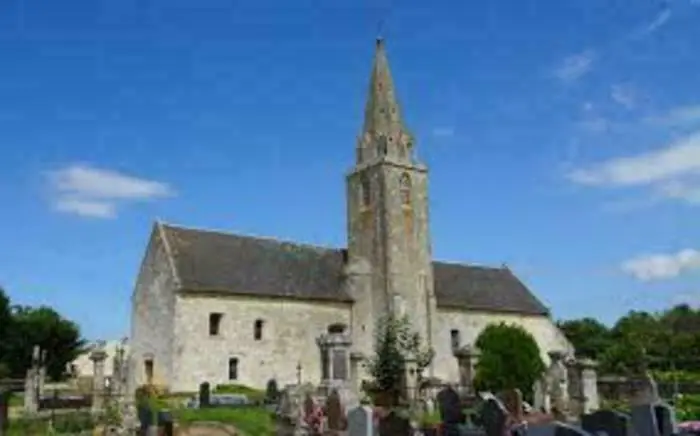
(468,265)
(270,239)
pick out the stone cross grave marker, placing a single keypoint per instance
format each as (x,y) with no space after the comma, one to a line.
(395,425)
(334,411)
(360,422)
(493,417)
(666,419)
(644,420)
(607,423)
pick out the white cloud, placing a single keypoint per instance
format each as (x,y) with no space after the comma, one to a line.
(624,95)
(662,266)
(94,192)
(678,117)
(575,66)
(443,132)
(87,208)
(680,158)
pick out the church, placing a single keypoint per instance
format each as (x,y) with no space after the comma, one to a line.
(230,308)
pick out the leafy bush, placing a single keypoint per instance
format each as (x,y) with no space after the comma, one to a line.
(687,407)
(510,358)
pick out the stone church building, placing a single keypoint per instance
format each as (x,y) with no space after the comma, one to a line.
(228,308)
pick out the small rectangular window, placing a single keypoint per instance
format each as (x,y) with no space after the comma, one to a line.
(148,369)
(215,324)
(454,339)
(233,368)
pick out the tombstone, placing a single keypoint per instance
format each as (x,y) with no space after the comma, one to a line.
(334,411)
(466,358)
(555,429)
(645,390)
(589,384)
(644,420)
(450,406)
(666,419)
(513,403)
(395,425)
(557,386)
(540,398)
(360,422)
(31,402)
(204,395)
(493,417)
(4,411)
(607,423)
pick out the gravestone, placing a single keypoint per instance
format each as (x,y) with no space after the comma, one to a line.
(204,395)
(450,406)
(493,417)
(555,429)
(334,411)
(607,423)
(395,425)
(4,411)
(666,419)
(644,420)
(513,403)
(360,422)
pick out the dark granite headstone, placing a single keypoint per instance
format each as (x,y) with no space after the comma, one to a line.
(334,411)
(666,419)
(450,407)
(644,420)
(395,425)
(493,417)
(607,423)
(204,395)
(4,411)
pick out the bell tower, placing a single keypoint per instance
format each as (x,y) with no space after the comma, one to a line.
(387,206)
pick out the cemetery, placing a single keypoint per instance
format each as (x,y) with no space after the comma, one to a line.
(565,400)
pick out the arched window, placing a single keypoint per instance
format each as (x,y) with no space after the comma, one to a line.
(405,189)
(365,188)
(258,329)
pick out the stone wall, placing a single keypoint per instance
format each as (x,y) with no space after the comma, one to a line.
(289,333)
(471,323)
(152,315)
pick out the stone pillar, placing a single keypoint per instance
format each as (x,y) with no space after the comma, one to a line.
(466,359)
(31,402)
(557,388)
(98,357)
(577,399)
(41,382)
(541,399)
(411,380)
(589,382)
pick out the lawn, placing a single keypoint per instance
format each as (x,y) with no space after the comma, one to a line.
(252,421)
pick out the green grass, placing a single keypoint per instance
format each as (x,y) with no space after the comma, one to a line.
(16,400)
(253,421)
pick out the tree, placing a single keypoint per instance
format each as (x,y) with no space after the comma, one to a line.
(5,325)
(46,328)
(395,342)
(589,337)
(510,358)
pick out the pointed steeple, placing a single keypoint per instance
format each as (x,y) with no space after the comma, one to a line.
(382,111)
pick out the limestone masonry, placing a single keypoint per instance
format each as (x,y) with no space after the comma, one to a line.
(227,308)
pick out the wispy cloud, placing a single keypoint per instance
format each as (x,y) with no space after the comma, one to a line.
(659,21)
(677,117)
(671,172)
(575,66)
(97,193)
(591,120)
(662,266)
(624,95)
(443,132)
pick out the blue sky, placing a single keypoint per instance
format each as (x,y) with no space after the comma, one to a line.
(563,137)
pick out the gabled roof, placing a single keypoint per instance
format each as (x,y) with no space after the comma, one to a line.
(210,261)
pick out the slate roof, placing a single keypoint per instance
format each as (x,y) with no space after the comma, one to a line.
(212,261)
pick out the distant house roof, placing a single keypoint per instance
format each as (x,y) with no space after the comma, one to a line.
(211,261)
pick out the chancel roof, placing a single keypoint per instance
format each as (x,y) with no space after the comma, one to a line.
(211,261)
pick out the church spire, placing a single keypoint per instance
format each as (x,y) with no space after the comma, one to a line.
(382,112)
